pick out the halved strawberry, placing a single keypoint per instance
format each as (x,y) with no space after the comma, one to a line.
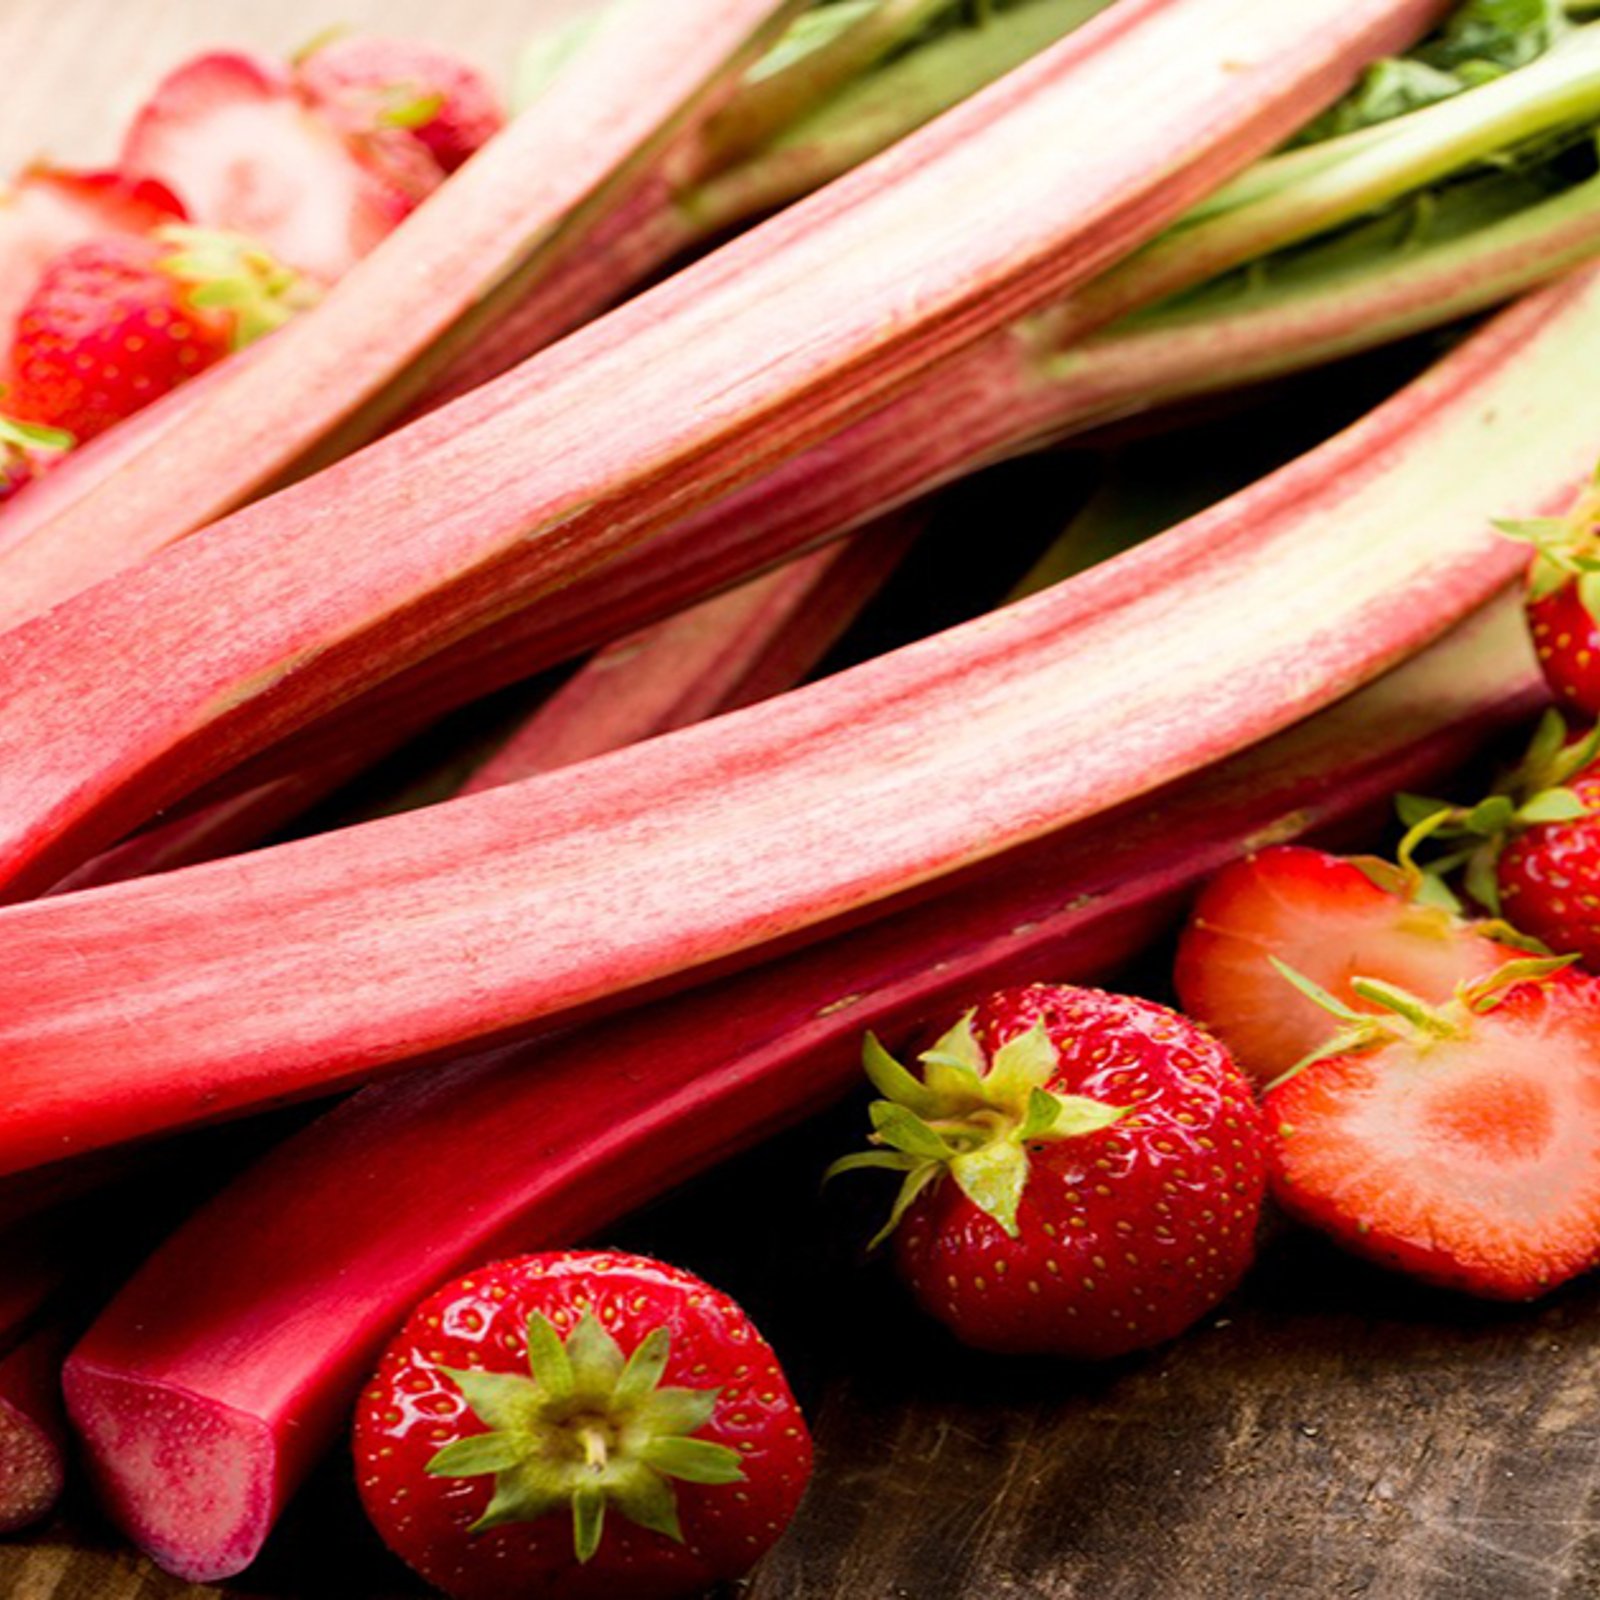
(369,85)
(229,135)
(1327,917)
(50,209)
(1461,1143)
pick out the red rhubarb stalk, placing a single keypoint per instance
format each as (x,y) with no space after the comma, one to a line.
(1013,393)
(734,650)
(229,1362)
(125,1014)
(765,348)
(740,647)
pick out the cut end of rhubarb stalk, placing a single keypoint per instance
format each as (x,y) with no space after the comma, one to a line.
(32,1472)
(191,1482)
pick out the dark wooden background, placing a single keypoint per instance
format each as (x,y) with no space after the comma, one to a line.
(1332,1432)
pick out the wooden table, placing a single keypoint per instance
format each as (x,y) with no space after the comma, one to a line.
(1332,1432)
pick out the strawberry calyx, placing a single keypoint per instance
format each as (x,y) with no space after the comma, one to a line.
(1566,549)
(1535,791)
(970,1116)
(1405,1018)
(32,438)
(235,274)
(588,1430)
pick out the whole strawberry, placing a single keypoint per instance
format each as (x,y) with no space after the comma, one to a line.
(580,1423)
(1083,1172)
(1459,1143)
(115,323)
(367,85)
(1563,598)
(1530,852)
(1330,917)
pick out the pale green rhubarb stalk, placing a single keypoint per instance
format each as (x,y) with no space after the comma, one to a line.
(396,342)
(123,1012)
(228,1364)
(586,451)
(732,650)
(1483,243)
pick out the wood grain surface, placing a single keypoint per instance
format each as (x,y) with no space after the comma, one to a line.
(1331,1433)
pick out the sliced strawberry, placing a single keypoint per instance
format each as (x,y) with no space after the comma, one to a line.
(228,134)
(50,209)
(368,85)
(1325,917)
(1460,1145)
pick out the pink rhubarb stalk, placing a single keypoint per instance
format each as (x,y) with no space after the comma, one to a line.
(770,345)
(228,1364)
(734,650)
(125,1013)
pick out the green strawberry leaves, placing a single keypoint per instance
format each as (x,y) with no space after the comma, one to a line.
(971,1117)
(589,1428)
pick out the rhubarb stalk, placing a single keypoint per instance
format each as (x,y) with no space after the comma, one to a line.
(124,1012)
(772,344)
(227,1365)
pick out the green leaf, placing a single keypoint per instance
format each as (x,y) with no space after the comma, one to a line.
(993,1179)
(547,1358)
(1484,994)
(887,1160)
(1077,1115)
(955,1066)
(916,1181)
(407,109)
(678,1411)
(479,1454)
(504,1401)
(595,1358)
(1415,809)
(1402,1003)
(1482,880)
(646,1498)
(695,1460)
(1314,992)
(34,436)
(1553,805)
(894,1125)
(1589,594)
(1491,816)
(1021,1065)
(588,1521)
(645,1367)
(518,1498)
(894,1083)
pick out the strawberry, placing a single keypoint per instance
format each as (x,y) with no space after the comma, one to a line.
(1105,1172)
(369,85)
(1329,917)
(1563,598)
(1531,850)
(26,452)
(48,210)
(228,133)
(1459,1143)
(579,1423)
(116,323)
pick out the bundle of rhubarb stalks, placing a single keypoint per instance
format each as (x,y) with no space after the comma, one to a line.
(364,388)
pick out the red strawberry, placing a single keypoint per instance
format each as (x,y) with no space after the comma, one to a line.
(1104,1164)
(26,453)
(1460,1143)
(654,1450)
(1325,916)
(368,85)
(48,210)
(116,323)
(1531,850)
(1563,598)
(229,135)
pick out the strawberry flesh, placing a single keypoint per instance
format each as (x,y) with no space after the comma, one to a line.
(1472,1163)
(229,135)
(1323,916)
